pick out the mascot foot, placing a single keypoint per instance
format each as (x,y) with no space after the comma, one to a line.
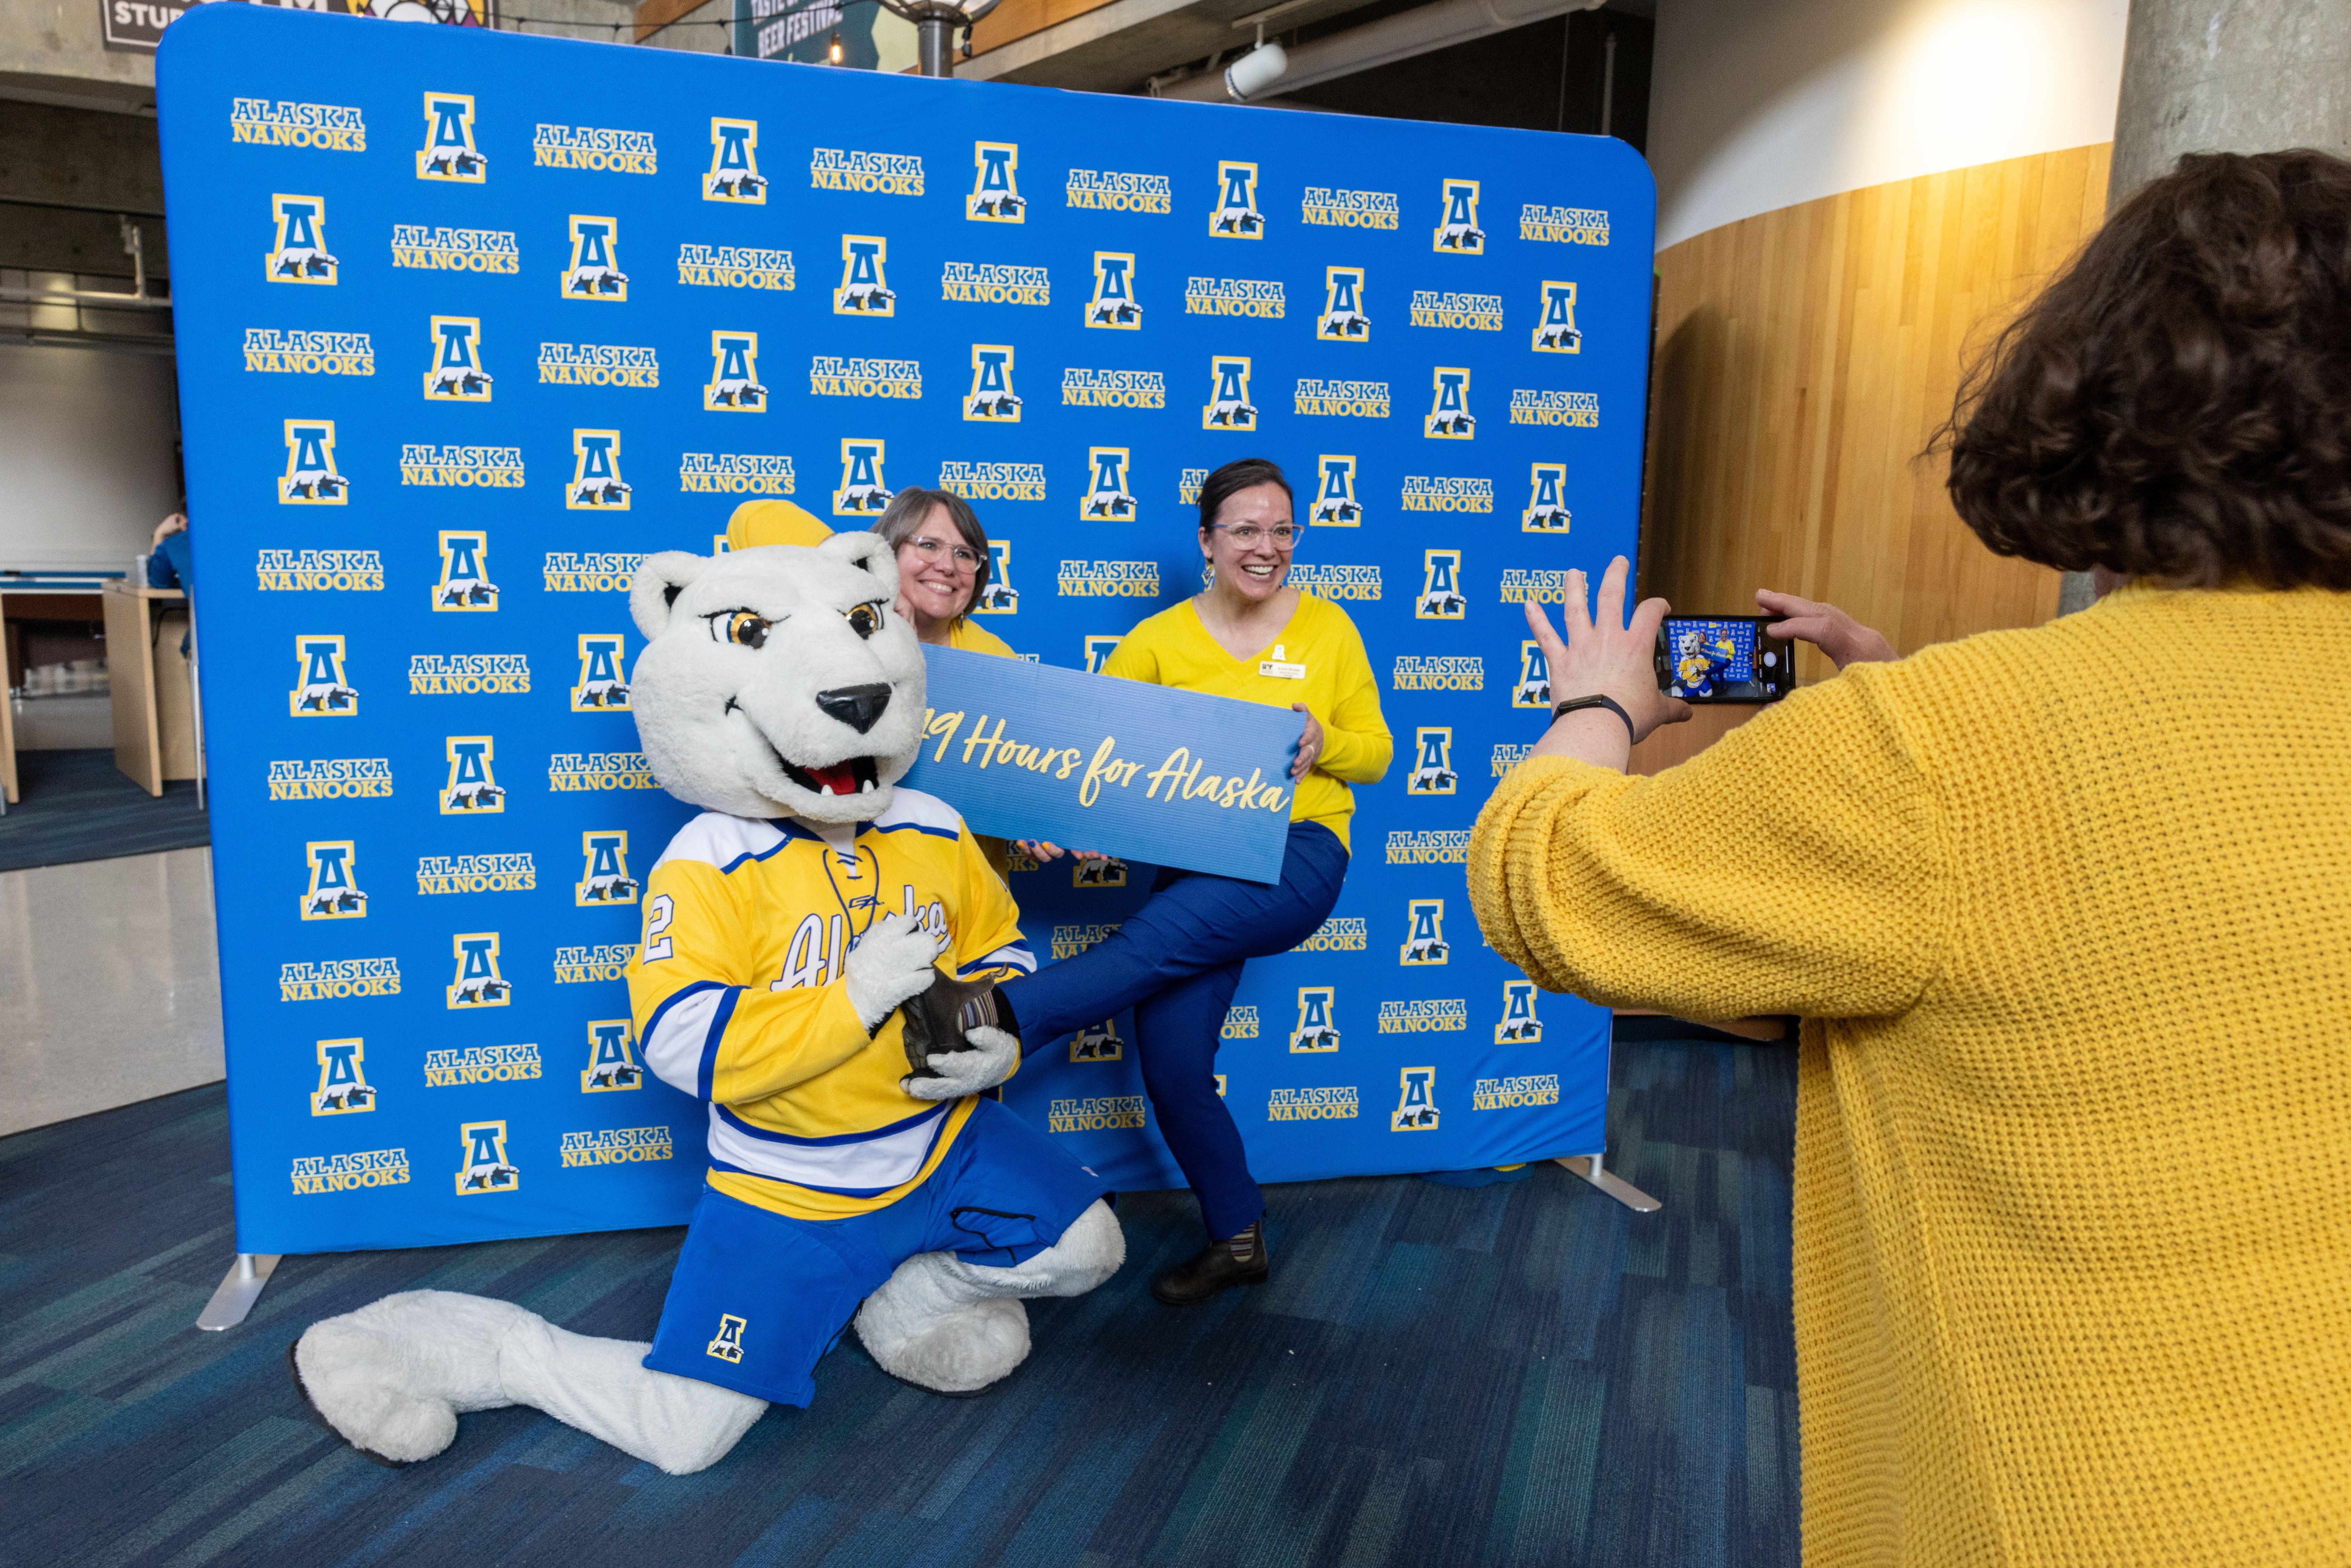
(393,1377)
(954,1327)
(966,1351)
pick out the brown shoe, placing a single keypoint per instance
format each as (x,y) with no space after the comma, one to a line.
(1237,1260)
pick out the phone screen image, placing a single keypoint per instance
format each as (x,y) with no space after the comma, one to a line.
(1721,658)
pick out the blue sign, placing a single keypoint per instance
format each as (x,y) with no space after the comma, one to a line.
(539,307)
(1143,772)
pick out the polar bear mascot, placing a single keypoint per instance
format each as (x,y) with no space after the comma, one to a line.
(819,958)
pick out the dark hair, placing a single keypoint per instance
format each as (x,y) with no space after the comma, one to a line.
(911,508)
(2177,404)
(1241,474)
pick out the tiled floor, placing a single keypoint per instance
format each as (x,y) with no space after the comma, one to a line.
(109,989)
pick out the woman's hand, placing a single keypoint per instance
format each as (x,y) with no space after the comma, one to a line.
(175,523)
(1310,744)
(1845,640)
(1605,658)
(1040,851)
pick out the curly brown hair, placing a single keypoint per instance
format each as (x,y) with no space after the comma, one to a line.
(2177,404)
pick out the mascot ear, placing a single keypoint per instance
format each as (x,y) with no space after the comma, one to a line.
(867,550)
(658,581)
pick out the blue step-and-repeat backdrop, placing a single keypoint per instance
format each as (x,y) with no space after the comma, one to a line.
(468,323)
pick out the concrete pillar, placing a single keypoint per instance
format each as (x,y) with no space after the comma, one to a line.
(2230,76)
(2224,75)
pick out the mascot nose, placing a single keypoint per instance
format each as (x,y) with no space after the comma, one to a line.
(856,707)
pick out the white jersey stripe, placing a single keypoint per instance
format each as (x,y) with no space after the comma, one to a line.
(858,1169)
(680,1032)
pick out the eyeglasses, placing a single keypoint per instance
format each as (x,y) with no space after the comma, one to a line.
(965,562)
(1249,535)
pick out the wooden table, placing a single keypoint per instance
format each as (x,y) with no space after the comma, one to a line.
(37,596)
(154,705)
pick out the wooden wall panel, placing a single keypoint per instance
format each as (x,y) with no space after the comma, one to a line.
(1804,358)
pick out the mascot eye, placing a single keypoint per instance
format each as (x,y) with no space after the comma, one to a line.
(866,619)
(748,630)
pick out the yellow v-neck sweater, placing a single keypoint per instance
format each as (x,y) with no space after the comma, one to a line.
(1174,649)
(2067,912)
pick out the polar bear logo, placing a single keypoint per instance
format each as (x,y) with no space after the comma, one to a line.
(866,297)
(455,162)
(1457,234)
(1522,1029)
(1232,413)
(1560,336)
(864,498)
(1337,510)
(1114,313)
(473,797)
(604,692)
(595,278)
(737,184)
(327,696)
(599,493)
(1550,518)
(1110,505)
(474,595)
(337,901)
(1097,1042)
(1431,780)
(607,888)
(1346,324)
(614,1075)
(1453,424)
(315,482)
(992,405)
(737,392)
(305,261)
(1001,205)
(458,380)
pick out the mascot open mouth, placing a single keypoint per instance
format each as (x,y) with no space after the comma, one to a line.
(854,777)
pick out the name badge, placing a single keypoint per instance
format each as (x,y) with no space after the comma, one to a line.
(1278,669)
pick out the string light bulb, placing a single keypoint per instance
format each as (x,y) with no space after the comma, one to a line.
(833,51)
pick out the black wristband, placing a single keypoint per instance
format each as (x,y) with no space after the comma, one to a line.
(1558,710)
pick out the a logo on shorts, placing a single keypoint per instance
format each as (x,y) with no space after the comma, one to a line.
(729,1346)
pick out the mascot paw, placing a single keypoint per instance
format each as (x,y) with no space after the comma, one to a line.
(988,1059)
(889,964)
(391,1378)
(963,1352)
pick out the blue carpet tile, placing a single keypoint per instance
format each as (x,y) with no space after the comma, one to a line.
(1521,1374)
(77,806)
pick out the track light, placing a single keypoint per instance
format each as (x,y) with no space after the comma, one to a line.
(1249,76)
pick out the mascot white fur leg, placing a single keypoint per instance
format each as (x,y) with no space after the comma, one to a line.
(956,1327)
(392,1378)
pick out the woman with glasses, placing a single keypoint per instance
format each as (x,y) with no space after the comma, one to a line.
(1176,960)
(942,563)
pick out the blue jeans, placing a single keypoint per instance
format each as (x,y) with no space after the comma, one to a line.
(1176,962)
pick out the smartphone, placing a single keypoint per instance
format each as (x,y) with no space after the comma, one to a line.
(1723,659)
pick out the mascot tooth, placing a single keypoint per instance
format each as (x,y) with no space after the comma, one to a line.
(818,956)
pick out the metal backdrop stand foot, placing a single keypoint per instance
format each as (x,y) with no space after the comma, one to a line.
(239,1291)
(1588,1167)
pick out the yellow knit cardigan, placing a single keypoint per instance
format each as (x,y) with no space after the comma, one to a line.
(2067,912)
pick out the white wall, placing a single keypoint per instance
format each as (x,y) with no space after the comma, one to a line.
(86,456)
(1760,104)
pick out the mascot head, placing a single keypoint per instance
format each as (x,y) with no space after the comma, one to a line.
(775,681)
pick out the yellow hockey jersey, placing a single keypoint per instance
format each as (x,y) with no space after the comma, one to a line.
(738,997)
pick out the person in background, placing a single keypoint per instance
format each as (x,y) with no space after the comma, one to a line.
(1176,960)
(942,567)
(2064,910)
(171,564)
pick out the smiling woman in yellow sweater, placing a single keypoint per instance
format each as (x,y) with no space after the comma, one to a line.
(1252,637)
(2067,913)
